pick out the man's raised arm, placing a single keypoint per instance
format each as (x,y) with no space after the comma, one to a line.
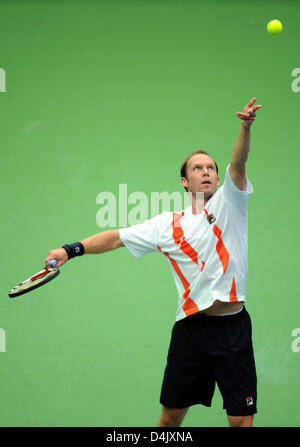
(98,243)
(237,168)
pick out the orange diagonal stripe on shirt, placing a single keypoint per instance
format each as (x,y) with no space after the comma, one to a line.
(179,238)
(232,295)
(189,307)
(221,249)
(177,229)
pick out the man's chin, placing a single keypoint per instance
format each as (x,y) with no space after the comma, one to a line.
(206,194)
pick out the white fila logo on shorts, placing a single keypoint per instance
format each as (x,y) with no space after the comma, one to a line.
(249,400)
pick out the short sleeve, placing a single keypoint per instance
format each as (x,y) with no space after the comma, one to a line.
(235,196)
(142,238)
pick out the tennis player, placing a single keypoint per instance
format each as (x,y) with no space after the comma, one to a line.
(206,249)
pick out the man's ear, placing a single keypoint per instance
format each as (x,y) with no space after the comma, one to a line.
(184,182)
(218,182)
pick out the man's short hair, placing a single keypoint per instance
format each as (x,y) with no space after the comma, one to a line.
(184,164)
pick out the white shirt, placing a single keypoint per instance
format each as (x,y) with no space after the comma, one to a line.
(209,261)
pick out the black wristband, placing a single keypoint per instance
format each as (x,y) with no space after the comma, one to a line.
(76,249)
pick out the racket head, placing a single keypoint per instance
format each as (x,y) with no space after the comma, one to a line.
(35,281)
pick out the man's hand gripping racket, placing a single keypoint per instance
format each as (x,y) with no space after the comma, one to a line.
(55,259)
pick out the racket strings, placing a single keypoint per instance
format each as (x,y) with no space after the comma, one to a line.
(38,279)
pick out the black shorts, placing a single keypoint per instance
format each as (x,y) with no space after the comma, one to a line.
(205,350)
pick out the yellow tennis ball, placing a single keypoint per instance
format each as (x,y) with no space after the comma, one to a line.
(274,27)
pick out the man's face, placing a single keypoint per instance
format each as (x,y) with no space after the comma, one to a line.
(201,175)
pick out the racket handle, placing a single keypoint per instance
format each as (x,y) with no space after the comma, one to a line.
(52,263)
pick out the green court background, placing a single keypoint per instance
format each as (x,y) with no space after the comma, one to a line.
(100,93)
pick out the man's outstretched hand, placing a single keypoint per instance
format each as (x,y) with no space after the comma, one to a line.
(248,114)
(59,254)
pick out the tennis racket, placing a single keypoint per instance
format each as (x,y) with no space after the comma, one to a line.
(38,279)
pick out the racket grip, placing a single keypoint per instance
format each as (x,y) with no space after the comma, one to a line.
(52,263)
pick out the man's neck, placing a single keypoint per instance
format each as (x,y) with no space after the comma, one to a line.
(198,204)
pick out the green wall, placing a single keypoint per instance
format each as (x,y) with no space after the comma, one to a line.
(103,93)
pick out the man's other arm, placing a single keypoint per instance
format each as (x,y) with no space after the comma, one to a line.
(237,167)
(98,243)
